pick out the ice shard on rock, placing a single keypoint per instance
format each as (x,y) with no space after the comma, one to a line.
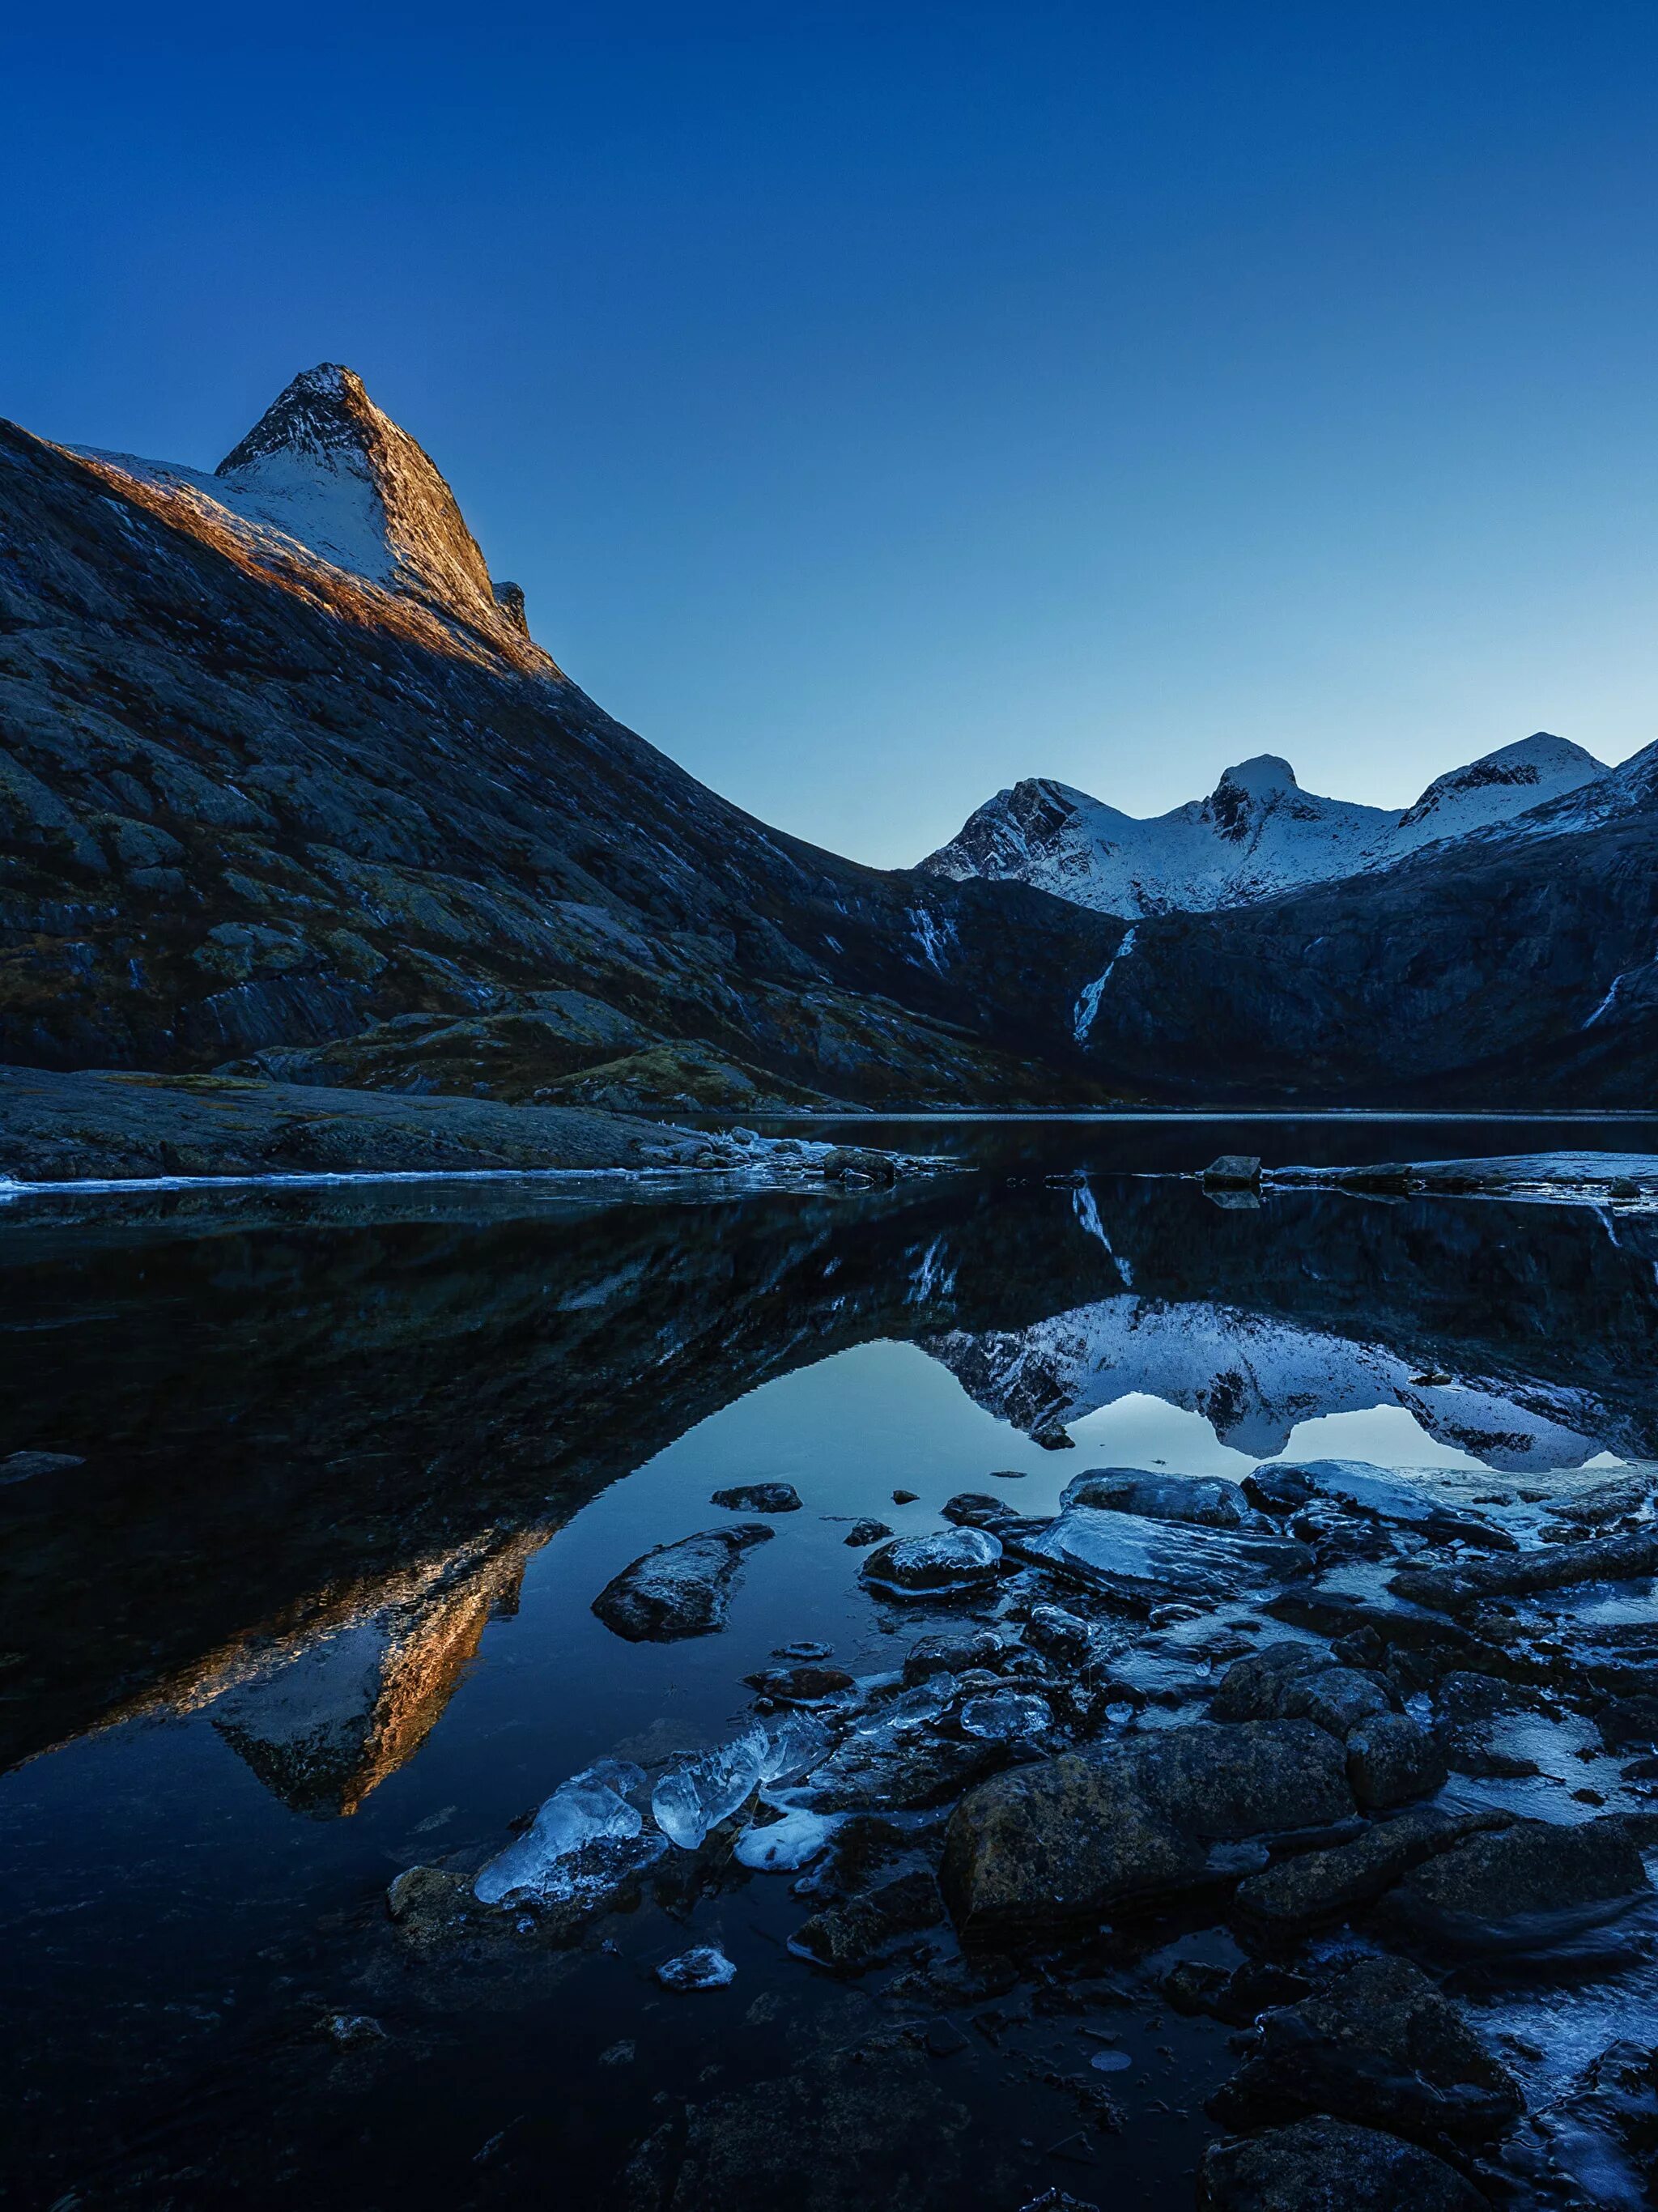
(589,1808)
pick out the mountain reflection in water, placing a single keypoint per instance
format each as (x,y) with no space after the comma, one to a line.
(326,1442)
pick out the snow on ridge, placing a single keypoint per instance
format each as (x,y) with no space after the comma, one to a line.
(1256,835)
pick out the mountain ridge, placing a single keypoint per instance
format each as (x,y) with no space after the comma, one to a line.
(1257,835)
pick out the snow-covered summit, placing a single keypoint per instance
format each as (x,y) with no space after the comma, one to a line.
(325,473)
(1257,834)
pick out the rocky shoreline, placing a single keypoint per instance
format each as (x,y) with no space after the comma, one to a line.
(1394,1739)
(119,1126)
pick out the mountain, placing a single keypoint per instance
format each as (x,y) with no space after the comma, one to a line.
(287,787)
(1257,835)
(1515,964)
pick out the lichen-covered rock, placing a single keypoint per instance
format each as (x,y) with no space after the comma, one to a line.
(1379,2045)
(678,1590)
(1314,1887)
(1075,1837)
(1523,1883)
(1392,1759)
(1329,2165)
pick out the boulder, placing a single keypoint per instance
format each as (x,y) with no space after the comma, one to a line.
(957,1561)
(1521,1885)
(1329,2165)
(1521,1574)
(1076,1836)
(678,1590)
(1379,2045)
(1337,1698)
(759,1497)
(1392,1759)
(1316,1887)
(1233,1171)
(1207,1502)
(1252,1688)
(951,1652)
(901,1771)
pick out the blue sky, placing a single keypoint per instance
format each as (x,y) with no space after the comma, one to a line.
(880,404)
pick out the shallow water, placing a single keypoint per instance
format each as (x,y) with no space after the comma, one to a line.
(314,1606)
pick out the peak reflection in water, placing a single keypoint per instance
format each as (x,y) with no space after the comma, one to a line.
(319,1436)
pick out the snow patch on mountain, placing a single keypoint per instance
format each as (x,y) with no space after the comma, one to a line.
(1256,835)
(326,476)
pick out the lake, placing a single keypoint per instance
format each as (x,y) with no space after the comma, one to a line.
(306,1600)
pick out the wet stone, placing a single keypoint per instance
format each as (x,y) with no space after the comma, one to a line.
(1238,1997)
(847,1938)
(1392,1759)
(805,1685)
(759,1497)
(952,1652)
(959,1561)
(704,1967)
(678,1590)
(1207,1502)
(904,1498)
(1379,2045)
(1320,2165)
(1522,1885)
(864,1533)
(1314,1887)
(976,1509)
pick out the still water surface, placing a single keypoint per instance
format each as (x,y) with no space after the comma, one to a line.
(313,1606)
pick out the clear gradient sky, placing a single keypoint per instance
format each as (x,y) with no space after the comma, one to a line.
(880,403)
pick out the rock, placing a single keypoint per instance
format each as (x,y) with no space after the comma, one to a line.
(1233,1171)
(1380,2046)
(1238,1997)
(1077,1837)
(952,1652)
(1252,1689)
(427,1905)
(1206,1502)
(1392,1759)
(704,1967)
(1337,1697)
(847,1938)
(1315,1888)
(904,1497)
(843,1161)
(1329,2165)
(1278,1489)
(1058,1634)
(901,1771)
(1145,1563)
(1604,2131)
(1612,1500)
(1006,1716)
(1520,1885)
(759,1497)
(1627,1724)
(24,1466)
(678,1590)
(976,1509)
(863,1532)
(1521,1574)
(957,1562)
(806,1685)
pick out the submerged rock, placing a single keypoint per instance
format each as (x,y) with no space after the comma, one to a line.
(848,1937)
(759,1497)
(678,1590)
(1204,1501)
(1330,2166)
(704,1967)
(1379,2045)
(1075,1837)
(956,1560)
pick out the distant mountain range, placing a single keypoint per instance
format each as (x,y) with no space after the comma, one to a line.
(287,788)
(1257,835)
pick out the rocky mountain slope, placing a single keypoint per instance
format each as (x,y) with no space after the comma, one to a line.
(1517,964)
(285,785)
(1257,835)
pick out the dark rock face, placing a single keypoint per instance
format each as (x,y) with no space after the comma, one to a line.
(252,802)
(1318,2165)
(1379,2045)
(678,1590)
(1076,1836)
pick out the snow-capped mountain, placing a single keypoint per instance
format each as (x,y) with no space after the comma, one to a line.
(1258,832)
(325,474)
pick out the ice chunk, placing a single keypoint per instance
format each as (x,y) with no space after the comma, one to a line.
(586,1809)
(706,1968)
(787,1844)
(793,1746)
(708,1789)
